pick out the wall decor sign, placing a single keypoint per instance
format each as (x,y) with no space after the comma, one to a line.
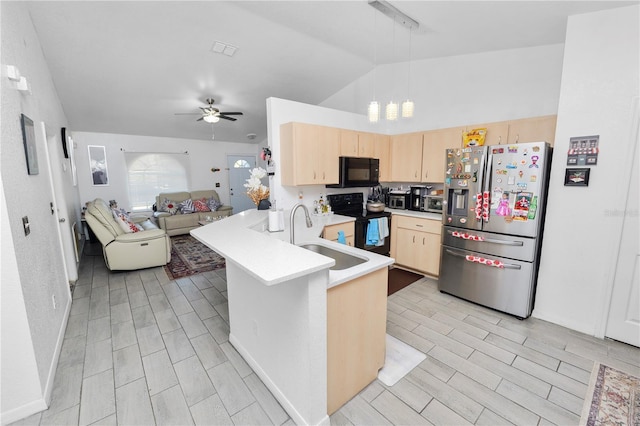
(583,151)
(576,177)
(98,165)
(29,140)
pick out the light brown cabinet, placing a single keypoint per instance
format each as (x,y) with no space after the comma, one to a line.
(534,129)
(357,144)
(381,148)
(309,154)
(406,157)
(415,243)
(434,144)
(330,232)
(356,336)
(497,133)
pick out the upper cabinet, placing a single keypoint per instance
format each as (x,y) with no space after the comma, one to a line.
(497,133)
(309,154)
(357,144)
(535,129)
(434,145)
(381,151)
(406,157)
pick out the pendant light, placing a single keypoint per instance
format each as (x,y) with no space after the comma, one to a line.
(391,111)
(373,111)
(407,106)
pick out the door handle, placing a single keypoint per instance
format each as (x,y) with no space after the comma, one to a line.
(504,265)
(489,240)
(62,220)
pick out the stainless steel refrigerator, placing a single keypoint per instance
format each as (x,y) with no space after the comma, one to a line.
(492,224)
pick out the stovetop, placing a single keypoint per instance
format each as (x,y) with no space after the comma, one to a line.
(351,205)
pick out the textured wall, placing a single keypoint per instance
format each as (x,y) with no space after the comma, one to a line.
(40,266)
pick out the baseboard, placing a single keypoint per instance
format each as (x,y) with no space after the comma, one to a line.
(282,399)
(24,411)
(555,319)
(48,388)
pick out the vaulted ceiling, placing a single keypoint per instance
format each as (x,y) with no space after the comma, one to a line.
(129,66)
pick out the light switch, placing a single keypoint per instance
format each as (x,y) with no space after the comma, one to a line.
(25,224)
(217,184)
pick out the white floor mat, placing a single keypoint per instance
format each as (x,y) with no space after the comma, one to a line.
(400,359)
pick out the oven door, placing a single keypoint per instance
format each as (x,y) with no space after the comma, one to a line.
(362,226)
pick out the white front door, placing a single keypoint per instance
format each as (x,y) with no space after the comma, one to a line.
(623,323)
(67,227)
(239,170)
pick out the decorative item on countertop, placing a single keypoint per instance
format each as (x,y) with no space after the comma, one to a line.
(258,193)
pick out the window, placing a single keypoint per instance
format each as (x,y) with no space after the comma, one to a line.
(149,174)
(241,164)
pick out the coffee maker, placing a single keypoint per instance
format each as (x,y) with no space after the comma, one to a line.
(418,194)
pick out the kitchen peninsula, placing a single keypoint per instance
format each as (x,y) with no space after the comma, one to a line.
(281,316)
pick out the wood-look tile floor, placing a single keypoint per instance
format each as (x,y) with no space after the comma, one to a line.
(141,349)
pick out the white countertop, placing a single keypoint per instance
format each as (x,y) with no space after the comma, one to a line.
(268,256)
(413,213)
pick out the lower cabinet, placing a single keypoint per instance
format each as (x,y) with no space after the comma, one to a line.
(416,243)
(356,336)
(330,232)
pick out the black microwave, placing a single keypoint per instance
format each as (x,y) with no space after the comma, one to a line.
(357,172)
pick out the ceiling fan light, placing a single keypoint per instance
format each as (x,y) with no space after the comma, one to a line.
(407,109)
(391,112)
(373,112)
(210,118)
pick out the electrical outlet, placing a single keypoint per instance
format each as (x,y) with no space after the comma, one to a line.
(53,299)
(26,225)
(217,184)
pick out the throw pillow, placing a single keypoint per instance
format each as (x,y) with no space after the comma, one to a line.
(124,223)
(168,206)
(201,205)
(186,206)
(214,204)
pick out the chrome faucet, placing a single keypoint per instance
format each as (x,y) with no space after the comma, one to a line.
(293,213)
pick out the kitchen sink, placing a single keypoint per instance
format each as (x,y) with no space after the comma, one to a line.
(343,260)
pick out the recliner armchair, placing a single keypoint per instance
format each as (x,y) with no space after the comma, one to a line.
(127,251)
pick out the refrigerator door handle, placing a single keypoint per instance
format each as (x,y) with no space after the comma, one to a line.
(485,240)
(502,265)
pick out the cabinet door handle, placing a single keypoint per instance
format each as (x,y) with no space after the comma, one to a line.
(423,240)
(314,175)
(414,238)
(418,225)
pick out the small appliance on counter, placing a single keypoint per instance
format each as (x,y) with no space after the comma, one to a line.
(399,199)
(418,194)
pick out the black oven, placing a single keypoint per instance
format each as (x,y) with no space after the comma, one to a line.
(353,205)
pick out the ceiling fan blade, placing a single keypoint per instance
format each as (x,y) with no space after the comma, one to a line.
(187,113)
(226,118)
(200,119)
(231,113)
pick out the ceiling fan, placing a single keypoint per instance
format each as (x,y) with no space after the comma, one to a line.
(211,114)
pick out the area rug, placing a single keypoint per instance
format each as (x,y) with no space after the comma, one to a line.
(613,398)
(399,279)
(189,256)
(399,360)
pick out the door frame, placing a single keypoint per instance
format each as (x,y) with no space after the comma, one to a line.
(622,192)
(67,245)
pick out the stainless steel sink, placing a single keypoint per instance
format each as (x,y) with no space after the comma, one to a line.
(343,260)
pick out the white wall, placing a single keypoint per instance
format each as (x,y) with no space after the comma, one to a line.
(460,90)
(34,266)
(582,232)
(203,155)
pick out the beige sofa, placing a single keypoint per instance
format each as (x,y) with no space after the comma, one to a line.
(125,250)
(179,223)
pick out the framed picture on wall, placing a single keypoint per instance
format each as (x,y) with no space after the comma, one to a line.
(29,140)
(98,165)
(576,177)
